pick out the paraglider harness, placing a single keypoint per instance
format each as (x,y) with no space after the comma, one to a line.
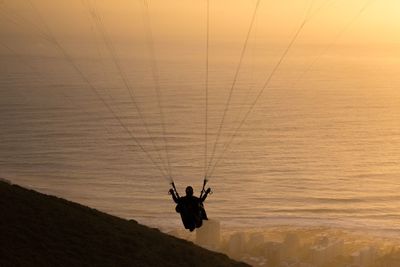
(191,217)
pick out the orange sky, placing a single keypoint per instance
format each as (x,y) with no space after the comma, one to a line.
(185,19)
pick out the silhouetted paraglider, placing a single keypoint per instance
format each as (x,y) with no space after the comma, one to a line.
(190,207)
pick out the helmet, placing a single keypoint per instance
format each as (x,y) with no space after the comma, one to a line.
(189,191)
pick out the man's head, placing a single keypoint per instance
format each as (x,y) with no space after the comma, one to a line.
(189,191)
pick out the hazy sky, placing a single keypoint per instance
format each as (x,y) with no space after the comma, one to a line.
(185,20)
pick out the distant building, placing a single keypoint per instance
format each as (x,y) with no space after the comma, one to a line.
(392,259)
(208,235)
(325,250)
(273,253)
(255,242)
(364,257)
(291,247)
(236,244)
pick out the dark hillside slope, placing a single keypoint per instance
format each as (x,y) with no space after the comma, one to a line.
(42,230)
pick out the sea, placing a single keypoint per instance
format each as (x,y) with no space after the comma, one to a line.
(316,145)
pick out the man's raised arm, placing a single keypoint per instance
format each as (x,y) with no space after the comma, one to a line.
(203,198)
(174,197)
